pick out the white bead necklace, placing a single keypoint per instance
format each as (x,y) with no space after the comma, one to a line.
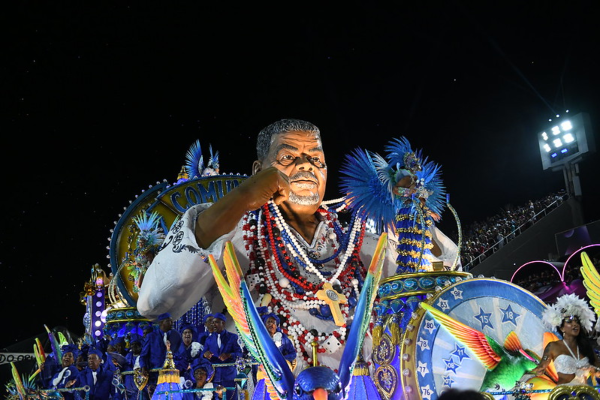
(299,253)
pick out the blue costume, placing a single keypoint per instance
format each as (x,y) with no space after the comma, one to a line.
(287,349)
(154,351)
(51,367)
(101,388)
(188,354)
(118,390)
(210,371)
(224,376)
(132,392)
(64,375)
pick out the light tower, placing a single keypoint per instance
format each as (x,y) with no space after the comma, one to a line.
(565,141)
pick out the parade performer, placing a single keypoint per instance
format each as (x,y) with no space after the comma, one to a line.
(190,350)
(222,347)
(401,193)
(285,346)
(97,376)
(292,247)
(154,349)
(573,356)
(67,375)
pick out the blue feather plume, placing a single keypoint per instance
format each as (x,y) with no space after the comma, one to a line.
(365,192)
(397,150)
(431,176)
(194,161)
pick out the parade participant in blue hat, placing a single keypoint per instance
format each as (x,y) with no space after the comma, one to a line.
(66,377)
(154,349)
(222,348)
(97,376)
(133,363)
(115,358)
(190,350)
(283,343)
(203,373)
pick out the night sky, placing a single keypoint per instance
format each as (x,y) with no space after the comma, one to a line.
(99,102)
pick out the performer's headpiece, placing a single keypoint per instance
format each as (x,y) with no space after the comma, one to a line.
(70,348)
(163,316)
(265,317)
(219,316)
(569,306)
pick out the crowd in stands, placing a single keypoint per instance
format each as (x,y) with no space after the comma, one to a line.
(482,238)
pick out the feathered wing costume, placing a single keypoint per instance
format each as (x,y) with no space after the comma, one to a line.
(591,282)
(400,192)
(314,382)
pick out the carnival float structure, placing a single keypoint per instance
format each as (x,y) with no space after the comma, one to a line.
(434,326)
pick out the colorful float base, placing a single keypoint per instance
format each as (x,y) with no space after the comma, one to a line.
(422,352)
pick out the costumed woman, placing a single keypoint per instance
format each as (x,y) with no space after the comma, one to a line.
(67,375)
(203,374)
(573,356)
(190,350)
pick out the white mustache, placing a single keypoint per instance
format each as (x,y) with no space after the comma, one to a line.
(303,175)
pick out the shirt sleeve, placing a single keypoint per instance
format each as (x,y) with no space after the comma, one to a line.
(180,275)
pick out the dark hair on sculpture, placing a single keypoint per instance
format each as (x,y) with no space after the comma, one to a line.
(282,126)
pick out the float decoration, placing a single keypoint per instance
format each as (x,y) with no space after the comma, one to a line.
(401,192)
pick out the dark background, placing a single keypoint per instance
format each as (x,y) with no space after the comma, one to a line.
(101,101)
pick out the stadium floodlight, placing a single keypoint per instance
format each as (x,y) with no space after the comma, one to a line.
(568,138)
(566,126)
(547,147)
(571,137)
(544,136)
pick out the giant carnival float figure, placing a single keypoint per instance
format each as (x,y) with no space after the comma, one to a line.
(315,286)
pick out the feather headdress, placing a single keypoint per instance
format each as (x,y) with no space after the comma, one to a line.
(195,166)
(149,226)
(566,306)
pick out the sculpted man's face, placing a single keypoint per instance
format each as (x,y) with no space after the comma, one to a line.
(299,154)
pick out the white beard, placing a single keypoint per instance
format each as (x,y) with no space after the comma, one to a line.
(309,200)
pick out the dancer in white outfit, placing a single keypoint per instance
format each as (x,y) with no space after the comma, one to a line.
(573,356)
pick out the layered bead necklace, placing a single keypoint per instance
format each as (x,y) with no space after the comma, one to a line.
(293,274)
